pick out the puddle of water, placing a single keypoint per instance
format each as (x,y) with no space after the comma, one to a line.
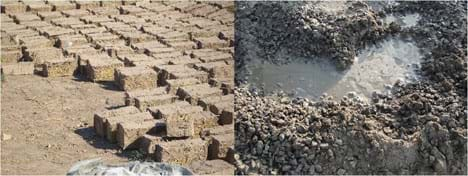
(375,68)
(408,20)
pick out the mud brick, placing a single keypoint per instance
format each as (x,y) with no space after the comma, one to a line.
(152,63)
(78,50)
(173,35)
(66,22)
(132,58)
(198,53)
(128,19)
(118,50)
(20,68)
(181,125)
(204,11)
(130,9)
(141,46)
(192,73)
(93,30)
(59,67)
(147,101)
(13,7)
(226,71)
(174,84)
(111,123)
(228,87)
(155,30)
(207,67)
(75,13)
(56,31)
(105,36)
(227,116)
(219,146)
(204,120)
(218,130)
(10,56)
(176,15)
(148,144)
(84,4)
(167,55)
(168,109)
(220,12)
(159,50)
(165,70)
(40,55)
(107,8)
(22,17)
(229,50)
(211,42)
(131,78)
(207,102)
(82,26)
(202,33)
(193,93)
(156,7)
(218,57)
(133,37)
(218,108)
(70,40)
(61,5)
(99,69)
(182,45)
(39,7)
(36,24)
(128,133)
(131,95)
(101,117)
(212,167)
(184,60)
(226,35)
(93,19)
(193,7)
(182,152)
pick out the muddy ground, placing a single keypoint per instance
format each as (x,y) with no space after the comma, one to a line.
(47,124)
(417,127)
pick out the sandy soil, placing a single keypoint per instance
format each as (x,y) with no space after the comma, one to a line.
(50,123)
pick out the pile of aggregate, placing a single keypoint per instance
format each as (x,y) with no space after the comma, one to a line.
(420,128)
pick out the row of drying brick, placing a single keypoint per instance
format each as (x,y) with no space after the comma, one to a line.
(213,11)
(172,130)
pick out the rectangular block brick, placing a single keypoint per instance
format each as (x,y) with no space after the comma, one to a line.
(10,56)
(180,125)
(218,130)
(62,5)
(147,101)
(194,93)
(161,111)
(227,116)
(184,60)
(148,144)
(60,67)
(131,95)
(212,167)
(204,120)
(207,102)
(40,55)
(99,69)
(219,146)
(128,133)
(20,68)
(101,117)
(111,123)
(132,78)
(218,57)
(217,108)
(182,152)
(174,84)
(132,58)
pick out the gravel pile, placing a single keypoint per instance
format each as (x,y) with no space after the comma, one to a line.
(420,128)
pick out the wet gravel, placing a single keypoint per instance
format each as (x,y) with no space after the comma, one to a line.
(420,128)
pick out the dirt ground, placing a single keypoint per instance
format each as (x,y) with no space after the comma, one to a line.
(50,123)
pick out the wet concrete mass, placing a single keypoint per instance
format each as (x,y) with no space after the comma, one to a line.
(376,68)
